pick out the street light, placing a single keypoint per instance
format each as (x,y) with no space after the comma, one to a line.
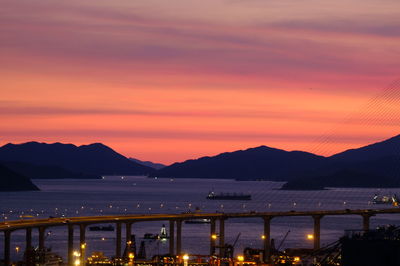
(263,237)
(310,236)
(185,259)
(214,236)
(240,259)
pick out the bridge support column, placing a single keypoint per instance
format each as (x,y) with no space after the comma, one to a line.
(317,231)
(221,237)
(213,237)
(128,232)
(118,241)
(42,231)
(178,237)
(7,247)
(267,238)
(82,241)
(28,245)
(70,244)
(366,221)
(171,237)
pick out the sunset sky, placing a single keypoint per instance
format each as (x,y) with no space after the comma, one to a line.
(168,80)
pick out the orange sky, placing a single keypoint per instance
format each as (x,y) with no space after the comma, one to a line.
(172,80)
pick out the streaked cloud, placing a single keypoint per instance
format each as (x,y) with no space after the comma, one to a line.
(257,72)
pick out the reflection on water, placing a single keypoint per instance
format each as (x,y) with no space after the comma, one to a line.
(132,195)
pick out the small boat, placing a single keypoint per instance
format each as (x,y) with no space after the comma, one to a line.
(162,236)
(386,200)
(101,228)
(228,196)
(198,221)
(151,236)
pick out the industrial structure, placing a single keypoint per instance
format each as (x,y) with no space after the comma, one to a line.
(175,229)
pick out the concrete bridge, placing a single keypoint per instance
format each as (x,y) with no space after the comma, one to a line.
(175,222)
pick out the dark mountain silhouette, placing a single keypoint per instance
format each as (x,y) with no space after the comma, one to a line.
(255,163)
(386,148)
(156,166)
(12,181)
(93,159)
(342,178)
(375,165)
(45,171)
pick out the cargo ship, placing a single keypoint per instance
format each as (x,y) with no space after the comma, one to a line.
(228,196)
(393,200)
(198,221)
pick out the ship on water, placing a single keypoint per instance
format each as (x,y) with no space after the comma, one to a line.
(393,200)
(228,196)
(101,228)
(198,221)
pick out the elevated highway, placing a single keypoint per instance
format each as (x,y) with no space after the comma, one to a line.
(175,222)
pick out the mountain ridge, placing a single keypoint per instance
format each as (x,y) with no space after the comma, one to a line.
(92,159)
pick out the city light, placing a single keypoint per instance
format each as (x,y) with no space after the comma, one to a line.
(77,262)
(185,260)
(83,246)
(263,237)
(214,236)
(131,256)
(310,236)
(240,258)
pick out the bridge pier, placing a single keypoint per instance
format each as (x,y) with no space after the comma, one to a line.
(118,241)
(267,238)
(7,247)
(366,218)
(178,237)
(82,241)
(317,231)
(128,232)
(42,231)
(28,245)
(171,237)
(70,244)
(212,239)
(221,237)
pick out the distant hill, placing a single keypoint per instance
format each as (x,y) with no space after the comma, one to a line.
(386,148)
(255,163)
(46,171)
(375,165)
(12,181)
(93,159)
(342,178)
(156,166)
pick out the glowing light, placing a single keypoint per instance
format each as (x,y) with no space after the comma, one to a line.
(263,237)
(214,236)
(185,257)
(76,254)
(296,259)
(77,262)
(240,258)
(17,249)
(131,256)
(310,236)
(83,246)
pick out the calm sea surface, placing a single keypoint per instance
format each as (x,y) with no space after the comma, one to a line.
(132,195)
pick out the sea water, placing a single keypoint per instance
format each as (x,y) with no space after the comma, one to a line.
(141,195)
